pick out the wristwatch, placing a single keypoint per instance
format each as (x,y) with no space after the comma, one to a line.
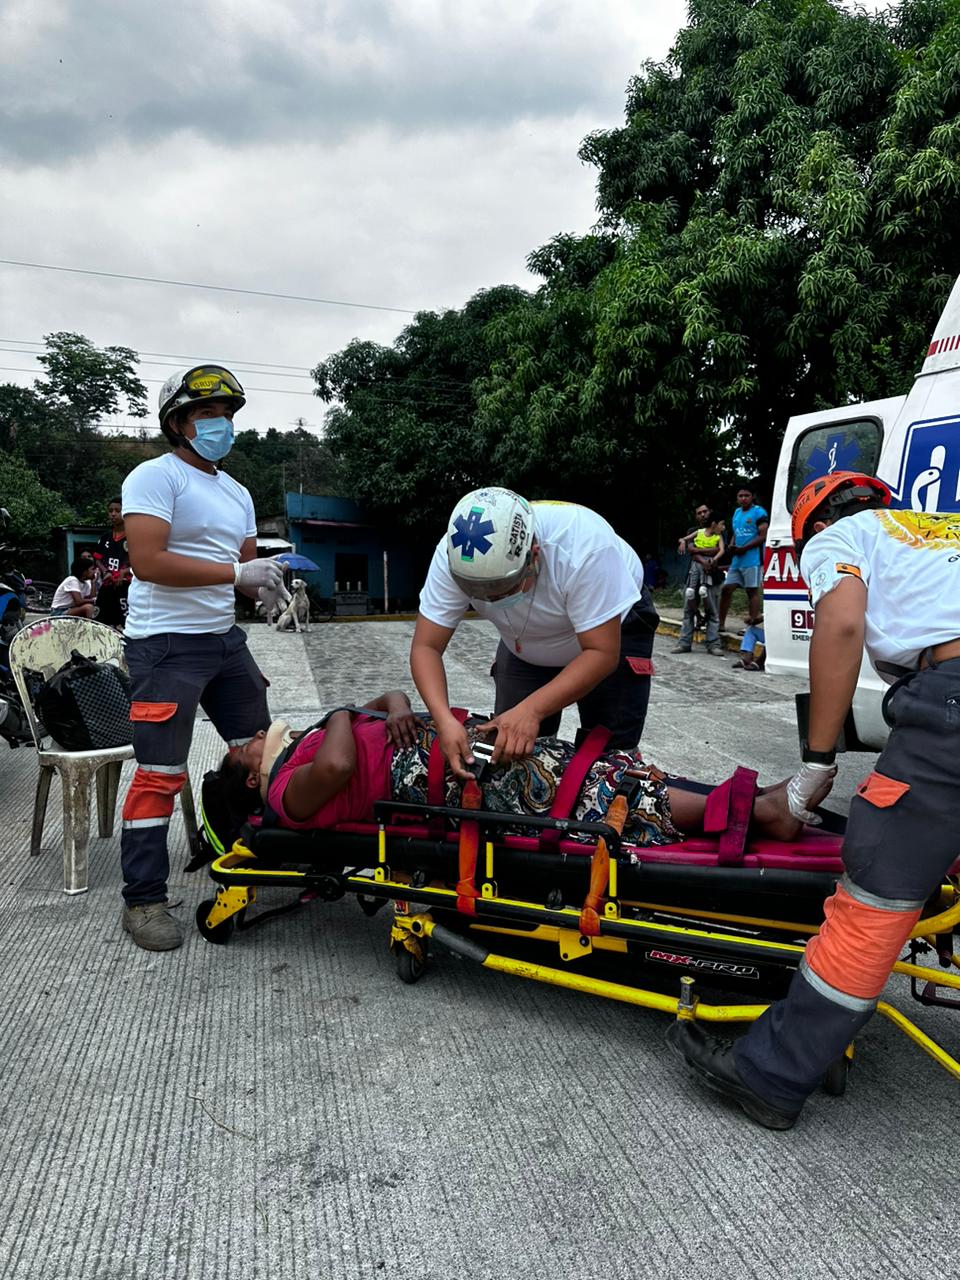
(809,756)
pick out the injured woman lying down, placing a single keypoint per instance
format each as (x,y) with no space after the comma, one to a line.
(335,774)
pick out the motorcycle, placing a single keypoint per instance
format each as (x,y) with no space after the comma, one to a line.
(14,726)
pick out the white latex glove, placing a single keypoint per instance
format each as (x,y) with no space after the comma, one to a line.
(274,597)
(805,790)
(267,572)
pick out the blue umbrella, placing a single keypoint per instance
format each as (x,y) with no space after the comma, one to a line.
(294,561)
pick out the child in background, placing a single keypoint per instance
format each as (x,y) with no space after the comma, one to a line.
(753,636)
(705,546)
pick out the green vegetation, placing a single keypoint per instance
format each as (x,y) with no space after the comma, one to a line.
(774,236)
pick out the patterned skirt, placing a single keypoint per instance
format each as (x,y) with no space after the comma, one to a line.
(529,786)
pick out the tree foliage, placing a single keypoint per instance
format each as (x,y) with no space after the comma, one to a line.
(90,382)
(775,235)
(281,461)
(58,467)
(783,194)
(403,417)
(34,509)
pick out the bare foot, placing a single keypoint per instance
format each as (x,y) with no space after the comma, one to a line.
(771,813)
(772,816)
(776,786)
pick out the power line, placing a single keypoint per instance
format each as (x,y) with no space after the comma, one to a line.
(404,400)
(167,355)
(215,288)
(440,382)
(235,368)
(271,391)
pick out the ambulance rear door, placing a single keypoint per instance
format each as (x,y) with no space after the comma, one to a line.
(850,438)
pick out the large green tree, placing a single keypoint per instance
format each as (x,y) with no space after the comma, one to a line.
(402,421)
(91,382)
(780,205)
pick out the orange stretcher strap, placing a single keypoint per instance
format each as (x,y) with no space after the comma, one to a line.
(467,890)
(600,870)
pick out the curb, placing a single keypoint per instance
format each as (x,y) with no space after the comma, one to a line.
(670,628)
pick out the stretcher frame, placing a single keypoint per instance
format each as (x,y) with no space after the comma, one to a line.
(408,871)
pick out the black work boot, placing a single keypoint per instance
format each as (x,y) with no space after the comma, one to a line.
(711,1059)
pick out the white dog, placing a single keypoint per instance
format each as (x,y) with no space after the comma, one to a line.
(297,612)
(272,602)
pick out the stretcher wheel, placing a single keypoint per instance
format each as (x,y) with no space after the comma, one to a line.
(370,905)
(410,967)
(835,1081)
(221,933)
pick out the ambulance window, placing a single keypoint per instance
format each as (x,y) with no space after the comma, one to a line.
(839,446)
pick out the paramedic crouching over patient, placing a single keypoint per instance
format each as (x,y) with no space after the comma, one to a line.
(576,624)
(191,535)
(889,580)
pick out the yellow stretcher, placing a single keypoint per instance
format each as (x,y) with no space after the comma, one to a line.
(659,919)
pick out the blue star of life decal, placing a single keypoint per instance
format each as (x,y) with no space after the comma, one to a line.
(471,534)
(840,453)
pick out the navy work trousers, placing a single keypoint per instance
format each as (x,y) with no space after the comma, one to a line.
(902,836)
(171,676)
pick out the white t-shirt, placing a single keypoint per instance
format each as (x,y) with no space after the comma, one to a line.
(62,597)
(210,517)
(909,561)
(588,575)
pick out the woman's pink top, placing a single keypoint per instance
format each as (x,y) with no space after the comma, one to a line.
(370,780)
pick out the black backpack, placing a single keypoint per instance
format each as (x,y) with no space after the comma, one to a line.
(86,705)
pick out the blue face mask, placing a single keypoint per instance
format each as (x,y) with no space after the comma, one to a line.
(214,438)
(506,602)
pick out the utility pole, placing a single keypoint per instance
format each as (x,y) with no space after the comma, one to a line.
(301,424)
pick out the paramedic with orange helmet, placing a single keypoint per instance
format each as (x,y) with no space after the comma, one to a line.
(889,581)
(576,623)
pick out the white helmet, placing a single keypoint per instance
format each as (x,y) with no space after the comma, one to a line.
(490,539)
(194,386)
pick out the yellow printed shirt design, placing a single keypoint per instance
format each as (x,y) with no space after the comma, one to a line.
(932,530)
(909,563)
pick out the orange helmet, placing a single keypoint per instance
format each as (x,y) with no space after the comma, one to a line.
(839,489)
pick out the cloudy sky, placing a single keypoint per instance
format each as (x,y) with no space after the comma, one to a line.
(396,153)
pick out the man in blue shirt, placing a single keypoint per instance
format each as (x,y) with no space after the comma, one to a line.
(749,534)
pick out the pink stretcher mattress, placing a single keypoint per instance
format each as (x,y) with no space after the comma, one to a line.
(814,851)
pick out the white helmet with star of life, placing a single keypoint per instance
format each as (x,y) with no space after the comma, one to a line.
(490,538)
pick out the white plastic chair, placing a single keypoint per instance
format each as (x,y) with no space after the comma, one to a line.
(44,647)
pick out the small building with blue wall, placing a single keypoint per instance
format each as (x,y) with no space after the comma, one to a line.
(349,552)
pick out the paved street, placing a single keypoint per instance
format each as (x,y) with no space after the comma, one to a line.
(284,1108)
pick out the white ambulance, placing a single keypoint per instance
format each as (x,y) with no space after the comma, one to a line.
(911,442)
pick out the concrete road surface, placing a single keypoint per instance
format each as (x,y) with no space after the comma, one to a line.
(284,1108)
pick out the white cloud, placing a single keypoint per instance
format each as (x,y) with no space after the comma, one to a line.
(396,154)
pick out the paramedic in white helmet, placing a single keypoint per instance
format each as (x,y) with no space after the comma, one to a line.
(576,624)
(191,535)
